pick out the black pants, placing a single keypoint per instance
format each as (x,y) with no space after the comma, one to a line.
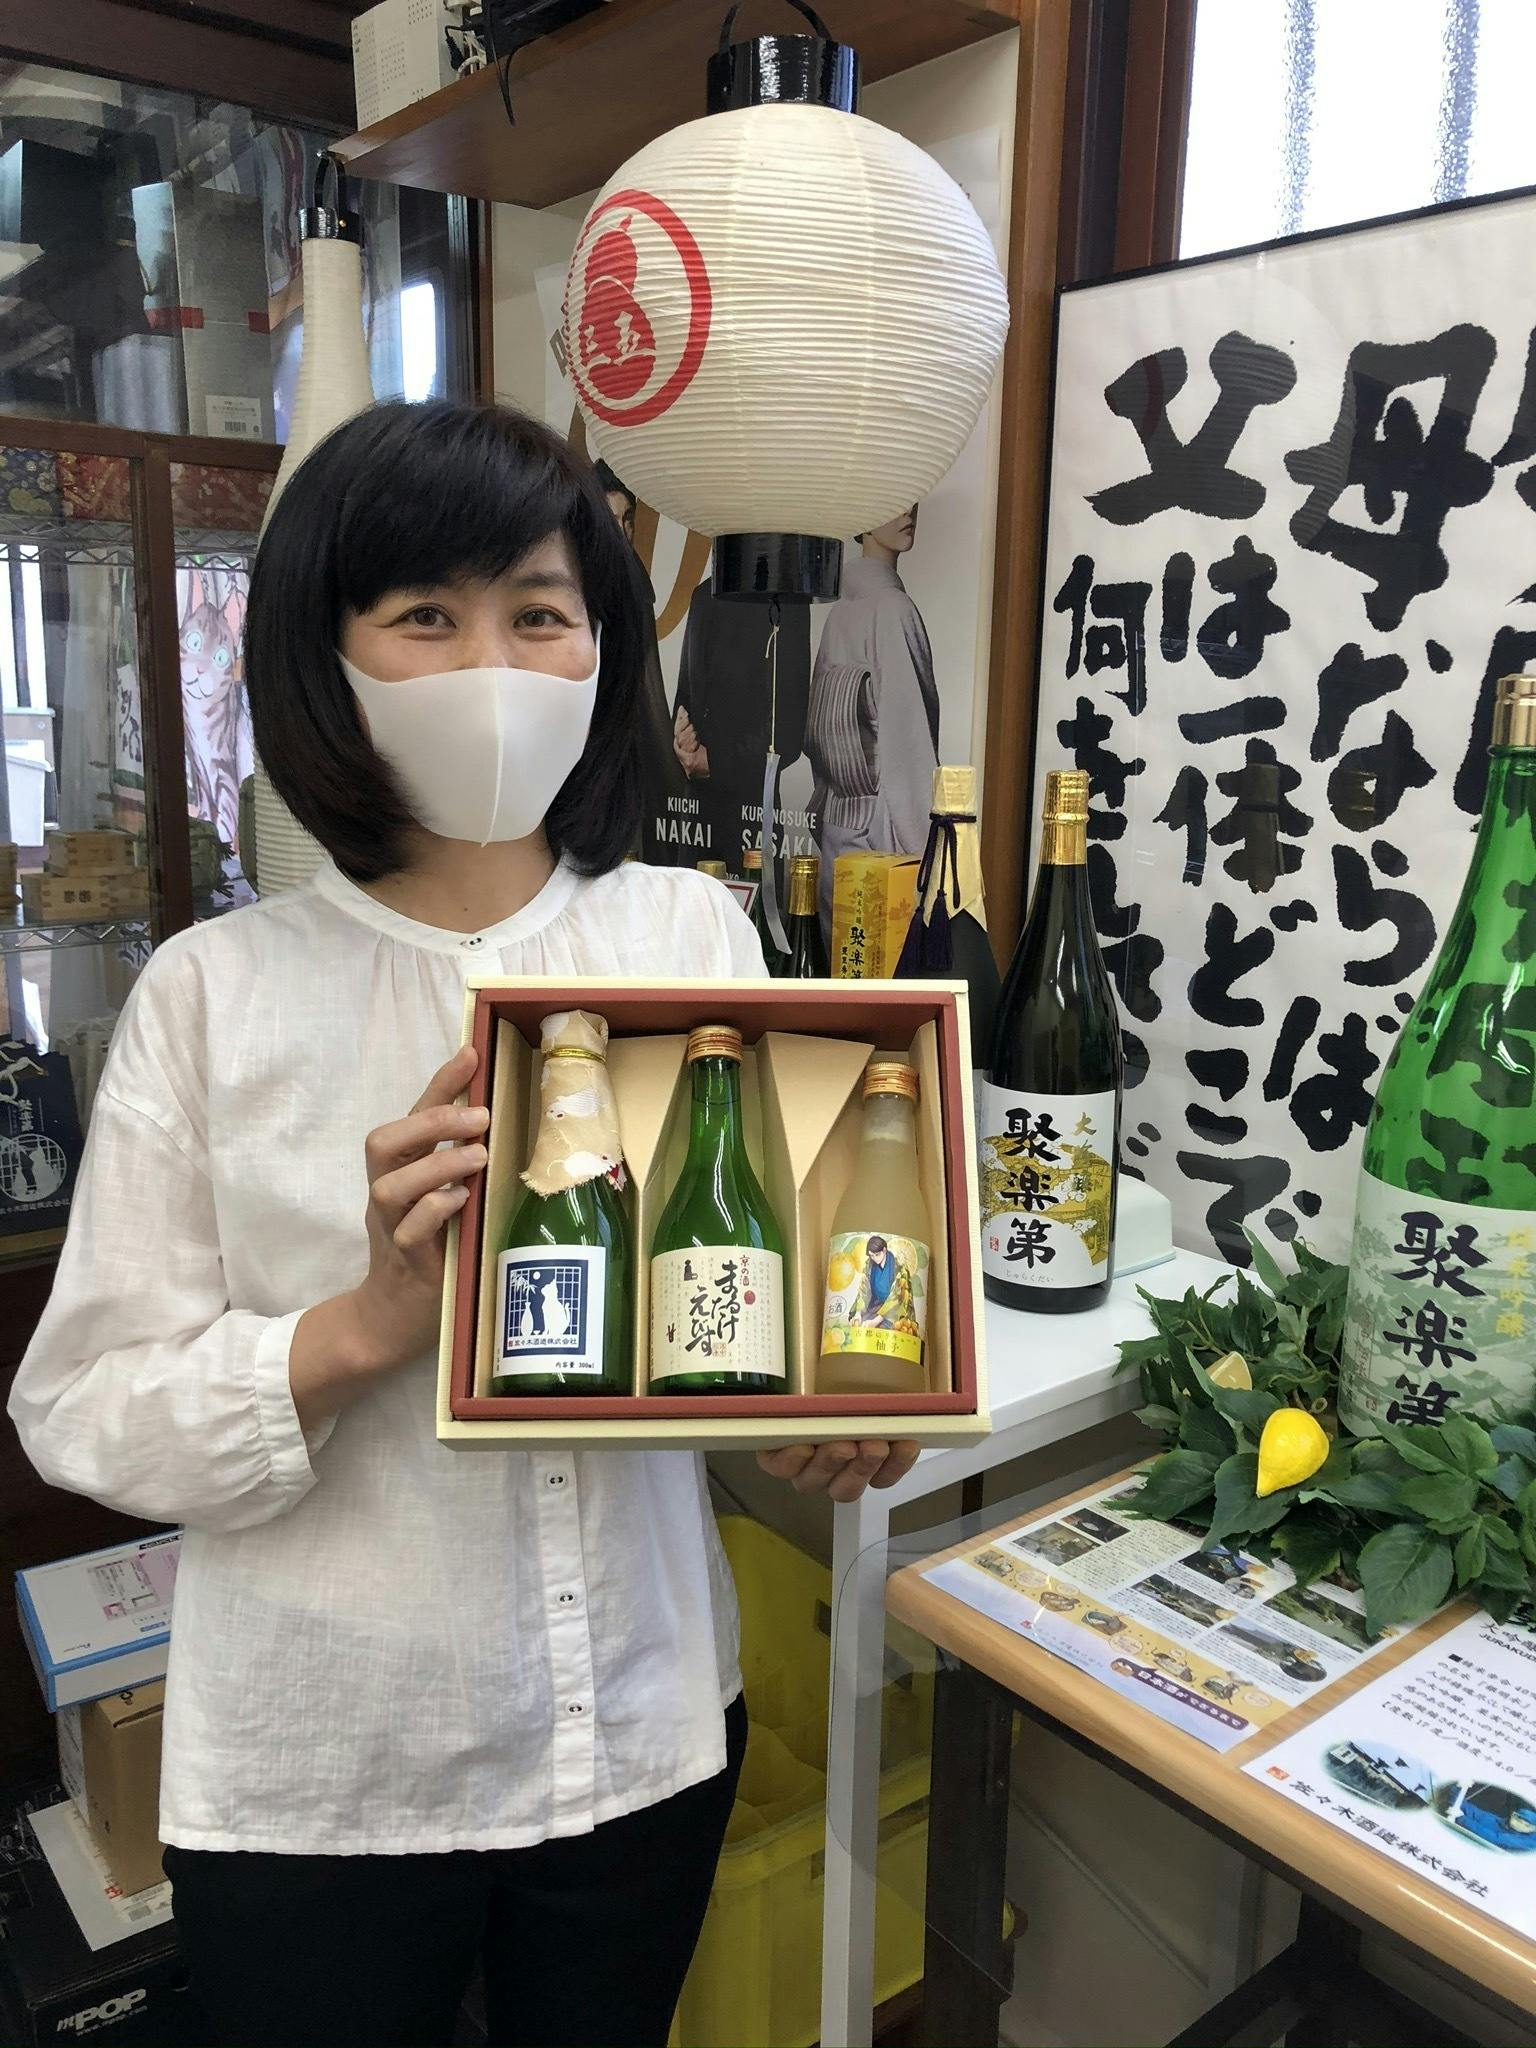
(585,1940)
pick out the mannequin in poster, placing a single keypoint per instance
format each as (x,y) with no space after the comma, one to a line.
(872,730)
(728,713)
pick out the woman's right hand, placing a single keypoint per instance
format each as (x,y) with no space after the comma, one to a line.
(418,1174)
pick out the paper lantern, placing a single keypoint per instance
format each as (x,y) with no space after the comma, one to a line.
(782,320)
(333,384)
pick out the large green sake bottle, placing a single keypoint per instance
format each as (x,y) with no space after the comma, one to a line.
(717,1264)
(1442,1289)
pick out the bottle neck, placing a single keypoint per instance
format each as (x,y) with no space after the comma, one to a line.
(890,1120)
(964,883)
(803,883)
(715,1128)
(1489,916)
(1061,891)
(1063,844)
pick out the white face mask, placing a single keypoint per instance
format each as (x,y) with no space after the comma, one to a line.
(479,752)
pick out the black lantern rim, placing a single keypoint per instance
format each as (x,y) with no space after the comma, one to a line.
(795,568)
(782,70)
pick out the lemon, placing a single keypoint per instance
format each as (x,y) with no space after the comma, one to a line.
(1231,1371)
(1293,1446)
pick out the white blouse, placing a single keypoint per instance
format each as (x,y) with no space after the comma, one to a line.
(380,1644)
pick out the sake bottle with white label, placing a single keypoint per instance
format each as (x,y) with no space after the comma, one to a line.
(564,1315)
(1442,1279)
(717,1263)
(1050,1103)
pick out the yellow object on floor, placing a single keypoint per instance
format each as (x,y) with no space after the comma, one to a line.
(756,1978)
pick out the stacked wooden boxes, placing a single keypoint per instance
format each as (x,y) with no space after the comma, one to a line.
(88,876)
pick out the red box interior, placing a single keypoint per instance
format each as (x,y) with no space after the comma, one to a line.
(868,1012)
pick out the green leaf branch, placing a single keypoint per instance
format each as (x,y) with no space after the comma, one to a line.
(1412,1513)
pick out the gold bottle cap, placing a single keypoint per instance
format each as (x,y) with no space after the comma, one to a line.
(752,861)
(1514,712)
(712,867)
(1066,797)
(890,1077)
(954,793)
(804,883)
(714,1042)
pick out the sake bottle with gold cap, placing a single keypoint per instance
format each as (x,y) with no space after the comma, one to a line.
(564,1321)
(1442,1278)
(717,1262)
(948,933)
(807,956)
(875,1320)
(1050,1105)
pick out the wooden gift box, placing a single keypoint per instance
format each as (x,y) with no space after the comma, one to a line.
(805,1048)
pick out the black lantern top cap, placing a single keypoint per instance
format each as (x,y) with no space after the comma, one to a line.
(764,71)
(328,219)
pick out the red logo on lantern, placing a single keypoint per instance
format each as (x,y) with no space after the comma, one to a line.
(627,248)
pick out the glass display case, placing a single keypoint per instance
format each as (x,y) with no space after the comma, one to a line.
(124,568)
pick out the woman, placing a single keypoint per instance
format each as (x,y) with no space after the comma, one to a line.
(872,729)
(422,1707)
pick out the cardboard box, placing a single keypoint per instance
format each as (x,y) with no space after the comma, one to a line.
(55,1987)
(102,1622)
(109,1760)
(806,1047)
(874,896)
(202,256)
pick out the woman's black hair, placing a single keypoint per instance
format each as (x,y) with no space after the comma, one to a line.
(405,496)
(612,485)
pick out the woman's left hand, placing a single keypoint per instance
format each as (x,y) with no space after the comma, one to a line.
(841,1471)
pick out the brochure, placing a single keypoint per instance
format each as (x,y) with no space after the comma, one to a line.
(1215,1641)
(1434,1764)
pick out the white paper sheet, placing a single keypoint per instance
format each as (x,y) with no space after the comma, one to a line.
(1435,1765)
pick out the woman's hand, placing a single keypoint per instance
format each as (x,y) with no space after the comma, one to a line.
(418,1170)
(841,1471)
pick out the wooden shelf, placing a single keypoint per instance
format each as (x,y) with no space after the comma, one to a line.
(589,96)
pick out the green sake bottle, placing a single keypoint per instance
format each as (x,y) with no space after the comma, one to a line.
(717,1263)
(1442,1286)
(564,1277)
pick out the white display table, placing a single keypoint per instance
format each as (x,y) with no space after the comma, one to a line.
(1050,1377)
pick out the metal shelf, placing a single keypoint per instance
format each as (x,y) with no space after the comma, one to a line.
(108,543)
(17,937)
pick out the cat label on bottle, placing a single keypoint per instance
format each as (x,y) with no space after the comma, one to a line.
(1047,1186)
(549,1309)
(877,1296)
(1442,1310)
(717,1308)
